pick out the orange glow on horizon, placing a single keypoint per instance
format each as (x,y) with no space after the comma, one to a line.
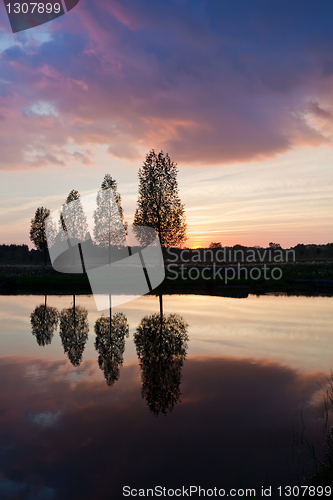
(203,242)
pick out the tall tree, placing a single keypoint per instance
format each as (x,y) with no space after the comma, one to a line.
(74,222)
(37,230)
(159,204)
(108,183)
(109,216)
(73,218)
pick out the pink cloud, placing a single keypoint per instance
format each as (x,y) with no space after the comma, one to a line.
(115,76)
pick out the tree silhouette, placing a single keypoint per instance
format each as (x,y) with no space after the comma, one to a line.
(108,217)
(274,246)
(110,344)
(44,321)
(37,230)
(161,344)
(159,205)
(74,330)
(73,220)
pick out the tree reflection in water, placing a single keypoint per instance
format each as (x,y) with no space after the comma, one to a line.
(110,344)
(161,344)
(44,321)
(74,330)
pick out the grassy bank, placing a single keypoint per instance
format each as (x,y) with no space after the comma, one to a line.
(306,278)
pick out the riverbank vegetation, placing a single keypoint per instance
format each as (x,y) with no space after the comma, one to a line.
(308,278)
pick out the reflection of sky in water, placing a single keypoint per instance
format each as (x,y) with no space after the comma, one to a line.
(253,366)
(44,419)
(12,489)
(295,331)
(234,423)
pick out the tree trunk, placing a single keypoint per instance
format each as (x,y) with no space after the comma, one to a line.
(44,315)
(110,215)
(74,314)
(161,311)
(110,316)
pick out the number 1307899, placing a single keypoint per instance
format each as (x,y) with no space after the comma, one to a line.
(307,491)
(33,8)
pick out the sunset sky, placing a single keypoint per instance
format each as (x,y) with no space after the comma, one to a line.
(238,92)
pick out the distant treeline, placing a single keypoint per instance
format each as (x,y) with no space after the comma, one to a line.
(314,251)
(21,253)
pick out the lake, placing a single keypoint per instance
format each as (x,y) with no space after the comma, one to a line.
(226,393)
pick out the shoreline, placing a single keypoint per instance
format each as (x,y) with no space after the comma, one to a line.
(303,278)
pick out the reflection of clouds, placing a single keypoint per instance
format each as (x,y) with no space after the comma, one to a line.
(45,419)
(292,330)
(233,414)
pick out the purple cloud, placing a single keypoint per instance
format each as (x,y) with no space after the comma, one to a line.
(206,81)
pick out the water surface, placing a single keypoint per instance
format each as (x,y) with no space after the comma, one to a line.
(230,401)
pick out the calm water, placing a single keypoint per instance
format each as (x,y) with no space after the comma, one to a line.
(225,394)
